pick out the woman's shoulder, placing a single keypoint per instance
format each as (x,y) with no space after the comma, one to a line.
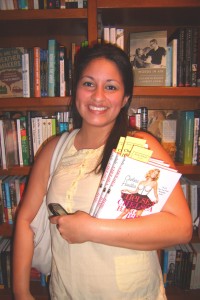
(143,135)
(154,145)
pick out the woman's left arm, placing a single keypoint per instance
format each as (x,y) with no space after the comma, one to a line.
(171,226)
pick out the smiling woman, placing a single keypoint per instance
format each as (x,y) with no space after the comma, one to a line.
(97,258)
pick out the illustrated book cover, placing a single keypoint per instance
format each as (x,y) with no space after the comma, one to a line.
(11,81)
(162,123)
(148,57)
(140,185)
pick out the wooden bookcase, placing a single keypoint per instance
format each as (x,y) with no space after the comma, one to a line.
(31,28)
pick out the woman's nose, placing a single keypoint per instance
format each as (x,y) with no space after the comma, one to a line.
(98,94)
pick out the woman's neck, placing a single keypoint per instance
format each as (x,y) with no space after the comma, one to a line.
(90,139)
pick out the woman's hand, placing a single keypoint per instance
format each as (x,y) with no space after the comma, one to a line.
(74,228)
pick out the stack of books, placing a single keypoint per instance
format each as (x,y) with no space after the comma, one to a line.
(134,183)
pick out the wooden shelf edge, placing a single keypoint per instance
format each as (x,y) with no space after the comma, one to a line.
(166,91)
(188,169)
(42,14)
(147,4)
(16,170)
(29,103)
(6,230)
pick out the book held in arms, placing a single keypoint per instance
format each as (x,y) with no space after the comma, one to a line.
(148,57)
(134,183)
(11,83)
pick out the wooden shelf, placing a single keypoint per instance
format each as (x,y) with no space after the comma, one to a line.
(43,14)
(38,291)
(146,3)
(6,230)
(167,91)
(33,103)
(174,293)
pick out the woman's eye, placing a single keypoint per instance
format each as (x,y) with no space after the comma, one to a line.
(87,83)
(111,87)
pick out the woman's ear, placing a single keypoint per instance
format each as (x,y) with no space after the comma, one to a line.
(125,100)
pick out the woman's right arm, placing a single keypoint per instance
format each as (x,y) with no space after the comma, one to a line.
(23,235)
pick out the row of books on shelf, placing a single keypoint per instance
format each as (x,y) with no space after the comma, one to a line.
(191,190)
(5,266)
(178,131)
(11,193)
(41,4)
(181,266)
(22,136)
(159,60)
(37,72)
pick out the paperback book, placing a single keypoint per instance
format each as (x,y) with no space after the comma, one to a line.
(137,185)
(148,57)
(11,82)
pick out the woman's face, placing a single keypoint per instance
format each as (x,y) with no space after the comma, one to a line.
(100,93)
(154,174)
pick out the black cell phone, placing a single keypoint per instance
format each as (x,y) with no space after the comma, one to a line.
(57,209)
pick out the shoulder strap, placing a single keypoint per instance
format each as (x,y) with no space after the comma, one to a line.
(60,147)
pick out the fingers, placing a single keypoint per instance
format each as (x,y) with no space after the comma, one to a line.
(54,219)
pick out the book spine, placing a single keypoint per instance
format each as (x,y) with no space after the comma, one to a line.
(52,68)
(49,128)
(3,149)
(188,57)
(120,38)
(103,181)
(2,214)
(195,139)
(169,66)
(188,136)
(198,60)
(31,71)
(50,4)
(174,45)
(180,57)
(15,144)
(193,202)
(19,143)
(4,201)
(106,35)
(36,4)
(26,75)
(30,139)
(112,175)
(13,196)
(34,138)
(69,77)
(112,35)
(44,73)
(165,266)
(39,132)
(24,141)
(62,62)
(37,87)
(8,201)
(194,56)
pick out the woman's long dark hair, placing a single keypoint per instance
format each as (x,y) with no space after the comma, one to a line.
(121,60)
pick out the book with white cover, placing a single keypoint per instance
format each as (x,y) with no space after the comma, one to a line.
(174,44)
(138,189)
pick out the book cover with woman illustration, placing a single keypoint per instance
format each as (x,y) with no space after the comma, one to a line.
(138,189)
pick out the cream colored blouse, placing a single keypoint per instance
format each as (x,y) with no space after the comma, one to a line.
(92,271)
